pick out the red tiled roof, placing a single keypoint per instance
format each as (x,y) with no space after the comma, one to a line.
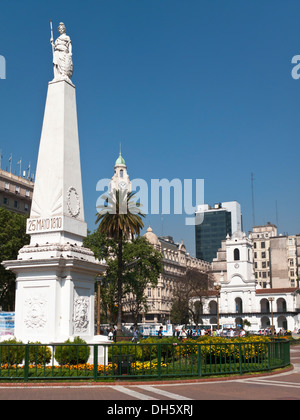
(276,291)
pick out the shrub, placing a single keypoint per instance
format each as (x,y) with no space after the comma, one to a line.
(39,354)
(12,354)
(127,349)
(219,349)
(72,354)
(213,349)
(150,351)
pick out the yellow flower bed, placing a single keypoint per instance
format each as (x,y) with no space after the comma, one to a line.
(80,367)
(146,366)
(220,349)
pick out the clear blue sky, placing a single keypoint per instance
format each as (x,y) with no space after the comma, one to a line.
(192,89)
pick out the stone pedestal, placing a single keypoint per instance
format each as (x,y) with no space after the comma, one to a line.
(54,299)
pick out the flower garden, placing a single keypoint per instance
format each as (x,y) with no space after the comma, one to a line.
(151,358)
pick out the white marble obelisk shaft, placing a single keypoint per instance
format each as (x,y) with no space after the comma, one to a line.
(57,214)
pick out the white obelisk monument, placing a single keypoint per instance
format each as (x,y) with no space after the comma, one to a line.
(55,274)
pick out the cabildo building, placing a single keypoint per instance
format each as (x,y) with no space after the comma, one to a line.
(238,296)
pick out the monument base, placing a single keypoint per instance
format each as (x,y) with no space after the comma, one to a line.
(55,298)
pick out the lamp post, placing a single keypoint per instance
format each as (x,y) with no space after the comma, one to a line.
(218,289)
(271,299)
(99,281)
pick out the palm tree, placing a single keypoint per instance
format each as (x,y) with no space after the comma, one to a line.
(120,218)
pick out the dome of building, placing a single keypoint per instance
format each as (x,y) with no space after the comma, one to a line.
(151,237)
(120,160)
(182,247)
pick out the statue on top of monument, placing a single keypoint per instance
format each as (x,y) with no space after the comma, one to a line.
(62,54)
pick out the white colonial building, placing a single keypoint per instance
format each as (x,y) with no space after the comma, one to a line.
(241,298)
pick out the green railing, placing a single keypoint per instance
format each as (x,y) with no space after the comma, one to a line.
(26,362)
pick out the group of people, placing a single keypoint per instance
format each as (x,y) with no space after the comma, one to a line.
(112,334)
(184,333)
(189,333)
(268,331)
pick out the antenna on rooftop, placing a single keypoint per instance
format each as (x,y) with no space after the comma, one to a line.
(20,163)
(10,162)
(28,170)
(252,191)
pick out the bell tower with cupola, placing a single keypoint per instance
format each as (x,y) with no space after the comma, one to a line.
(120,179)
(239,257)
(238,289)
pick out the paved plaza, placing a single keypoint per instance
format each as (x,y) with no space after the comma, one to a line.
(278,386)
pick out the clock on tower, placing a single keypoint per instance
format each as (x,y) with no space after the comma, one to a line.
(120,179)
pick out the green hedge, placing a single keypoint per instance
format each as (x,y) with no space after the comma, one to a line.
(72,355)
(39,354)
(11,354)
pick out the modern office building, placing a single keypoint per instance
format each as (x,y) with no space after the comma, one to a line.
(217,222)
(15,192)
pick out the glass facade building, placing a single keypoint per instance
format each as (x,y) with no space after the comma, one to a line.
(210,233)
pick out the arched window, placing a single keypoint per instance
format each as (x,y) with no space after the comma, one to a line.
(238,306)
(264,306)
(213,307)
(282,322)
(121,173)
(236,254)
(265,322)
(281,305)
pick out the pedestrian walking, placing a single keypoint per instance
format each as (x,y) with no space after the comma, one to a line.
(183,334)
(110,335)
(160,332)
(135,336)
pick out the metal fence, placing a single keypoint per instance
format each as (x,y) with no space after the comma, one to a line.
(27,362)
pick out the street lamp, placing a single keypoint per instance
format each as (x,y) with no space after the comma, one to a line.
(271,299)
(218,289)
(99,281)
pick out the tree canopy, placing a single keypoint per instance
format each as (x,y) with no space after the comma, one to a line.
(120,219)
(192,284)
(12,238)
(141,266)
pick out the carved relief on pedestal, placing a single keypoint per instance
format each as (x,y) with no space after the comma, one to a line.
(81,314)
(35,312)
